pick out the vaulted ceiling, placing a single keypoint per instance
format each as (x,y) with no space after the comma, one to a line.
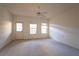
(49,10)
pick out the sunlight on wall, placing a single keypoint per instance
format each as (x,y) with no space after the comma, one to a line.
(65,35)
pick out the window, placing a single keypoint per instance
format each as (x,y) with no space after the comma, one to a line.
(19,27)
(33,28)
(44,28)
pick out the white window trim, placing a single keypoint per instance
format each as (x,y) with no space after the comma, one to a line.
(33,28)
(44,24)
(16,27)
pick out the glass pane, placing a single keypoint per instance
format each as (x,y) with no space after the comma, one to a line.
(44,27)
(33,25)
(44,30)
(33,28)
(44,23)
(33,31)
(19,27)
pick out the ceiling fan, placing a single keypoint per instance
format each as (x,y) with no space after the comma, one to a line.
(41,13)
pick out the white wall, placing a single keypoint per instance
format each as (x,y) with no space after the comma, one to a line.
(5,26)
(65,28)
(26,29)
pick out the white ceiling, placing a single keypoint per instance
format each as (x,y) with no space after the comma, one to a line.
(48,10)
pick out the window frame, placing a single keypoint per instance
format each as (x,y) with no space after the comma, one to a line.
(42,28)
(33,28)
(21,27)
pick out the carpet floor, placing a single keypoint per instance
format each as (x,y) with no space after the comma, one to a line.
(41,47)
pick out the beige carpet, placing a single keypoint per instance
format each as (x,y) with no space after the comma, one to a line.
(41,47)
